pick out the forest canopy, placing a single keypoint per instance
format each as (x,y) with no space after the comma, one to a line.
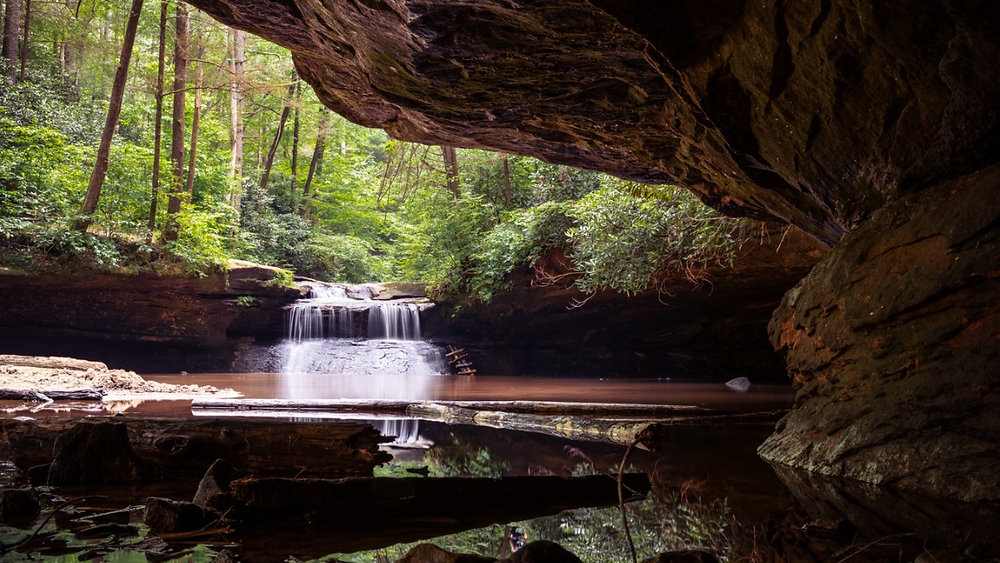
(240,160)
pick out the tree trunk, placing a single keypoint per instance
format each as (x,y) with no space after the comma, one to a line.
(295,134)
(195,120)
(277,138)
(507,193)
(238,40)
(451,171)
(158,125)
(24,44)
(177,127)
(11,33)
(114,110)
(316,162)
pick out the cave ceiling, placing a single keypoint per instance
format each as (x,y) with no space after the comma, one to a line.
(814,113)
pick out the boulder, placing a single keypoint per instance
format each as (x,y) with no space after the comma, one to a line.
(892,341)
(213,489)
(18,505)
(166,515)
(93,453)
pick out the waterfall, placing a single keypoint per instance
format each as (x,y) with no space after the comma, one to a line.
(391,321)
(345,346)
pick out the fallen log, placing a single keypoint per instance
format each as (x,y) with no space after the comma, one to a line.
(590,429)
(185,448)
(379,406)
(36,396)
(649,434)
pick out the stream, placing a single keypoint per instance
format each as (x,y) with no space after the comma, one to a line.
(710,490)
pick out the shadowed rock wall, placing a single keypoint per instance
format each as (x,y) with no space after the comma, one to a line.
(141,322)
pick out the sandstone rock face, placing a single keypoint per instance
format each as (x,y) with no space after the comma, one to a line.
(814,112)
(140,322)
(893,341)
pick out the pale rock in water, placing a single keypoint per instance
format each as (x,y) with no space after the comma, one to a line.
(739,384)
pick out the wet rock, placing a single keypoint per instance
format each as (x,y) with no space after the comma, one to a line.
(225,556)
(739,384)
(892,340)
(543,551)
(687,556)
(213,490)
(18,505)
(93,453)
(430,553)
(166,515)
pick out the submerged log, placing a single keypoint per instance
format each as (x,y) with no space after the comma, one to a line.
(176,448)
(31,395)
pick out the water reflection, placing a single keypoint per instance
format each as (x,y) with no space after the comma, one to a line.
(390,385)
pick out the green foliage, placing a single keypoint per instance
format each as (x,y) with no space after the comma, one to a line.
(376,209)
(200,246)
(630,238)
(519,241)
(459,459)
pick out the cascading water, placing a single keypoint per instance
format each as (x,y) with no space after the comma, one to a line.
(364,349)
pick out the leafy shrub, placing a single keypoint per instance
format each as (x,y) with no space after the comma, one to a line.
(519,241)
(200,246)
(631,238)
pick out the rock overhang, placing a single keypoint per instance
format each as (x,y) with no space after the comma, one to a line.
(812,113)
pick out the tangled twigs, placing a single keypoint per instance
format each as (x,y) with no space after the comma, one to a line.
(8,548)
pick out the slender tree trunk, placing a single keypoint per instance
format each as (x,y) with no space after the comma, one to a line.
(295,134)
(195,119)
(177,127)
(269,161)
(114,110)
(158,126)
(316,162)
(24,44)
(238,40)
(507,193)
(451,171)
(11,33)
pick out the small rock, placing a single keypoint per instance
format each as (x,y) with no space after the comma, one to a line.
(430,553)
(739,384)
(18,505)
(213,490)
(166,515)
(225,556)
(93,453)
(687,556)
(543,551)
